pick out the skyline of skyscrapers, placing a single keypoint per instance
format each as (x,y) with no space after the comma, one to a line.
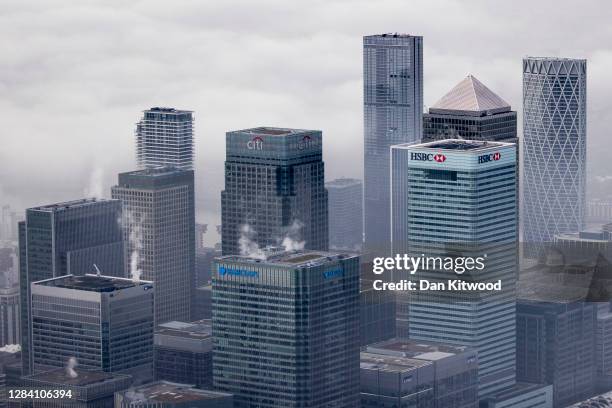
(439,210)
(393,114)
(274,191)
(554,149)
(164,137)
(159,226)
(287,324)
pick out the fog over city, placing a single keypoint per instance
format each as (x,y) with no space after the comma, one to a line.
(75,77)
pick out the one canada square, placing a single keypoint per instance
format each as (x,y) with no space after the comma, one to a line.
(393,109)
(554,154)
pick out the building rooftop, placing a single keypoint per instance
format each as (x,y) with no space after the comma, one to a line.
(164,391)
(60,376)
(343,182)
(167,110)
(421,350)
(292,258)
(392,35)
(456,145)
(198,330)
(92,283)
(600,401)
(83,202)
(470,96)
(271,131)
(388,363)
(159,171)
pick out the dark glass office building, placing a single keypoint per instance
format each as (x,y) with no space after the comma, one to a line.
(159,226)
(345,213)
(105,323)
(67,238)
(393,114)
(274,189)
(286,330)
(470,111)
(556,332)
(405,373)
(183,353)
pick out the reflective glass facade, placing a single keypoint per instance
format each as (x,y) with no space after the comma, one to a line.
(345,213)
(554,148)
(286,330)
(67,238)
(105,323)
(393,114)
(458,199)
(274,183)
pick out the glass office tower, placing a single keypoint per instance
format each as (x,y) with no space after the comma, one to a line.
(393,114)
(456,198)
(470,111)
(67,238)
(106,323)
(274,188)
(159,225)
(286,330)
(164,137)
(554,149)
(345,213)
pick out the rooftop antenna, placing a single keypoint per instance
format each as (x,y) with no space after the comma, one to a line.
(98,273)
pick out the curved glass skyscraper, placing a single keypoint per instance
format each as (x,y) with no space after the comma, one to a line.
(554,154)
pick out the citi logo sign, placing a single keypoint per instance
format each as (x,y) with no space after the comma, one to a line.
(439,157)
(255,144)
(485,158)
(305,143)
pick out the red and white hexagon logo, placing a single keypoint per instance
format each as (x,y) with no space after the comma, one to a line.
(440,158)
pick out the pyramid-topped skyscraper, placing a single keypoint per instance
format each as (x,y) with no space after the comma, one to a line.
(470,111)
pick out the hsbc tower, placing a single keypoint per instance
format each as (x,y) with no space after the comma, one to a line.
(458,198)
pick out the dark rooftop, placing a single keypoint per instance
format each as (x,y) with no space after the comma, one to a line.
(421,350)
(198,330)
(83,202)
(91,283)
(164,391)
(84,377)
(455,144)
(168,110)
(292,258)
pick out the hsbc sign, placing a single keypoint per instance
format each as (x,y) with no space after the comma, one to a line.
(485,158)
(438,157)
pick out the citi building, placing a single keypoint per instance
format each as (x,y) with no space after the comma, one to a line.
(458,199)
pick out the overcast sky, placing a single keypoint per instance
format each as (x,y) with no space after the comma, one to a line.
(75,76)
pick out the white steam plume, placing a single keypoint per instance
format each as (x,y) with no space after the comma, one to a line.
(95,189)
(134,226)
(292,240)
(248,247)
(70,367)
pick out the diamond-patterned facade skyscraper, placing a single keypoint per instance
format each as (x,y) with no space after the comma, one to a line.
(554,149)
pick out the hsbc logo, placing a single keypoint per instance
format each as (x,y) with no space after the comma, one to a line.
(438,157)
(485,158)
(255,144)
